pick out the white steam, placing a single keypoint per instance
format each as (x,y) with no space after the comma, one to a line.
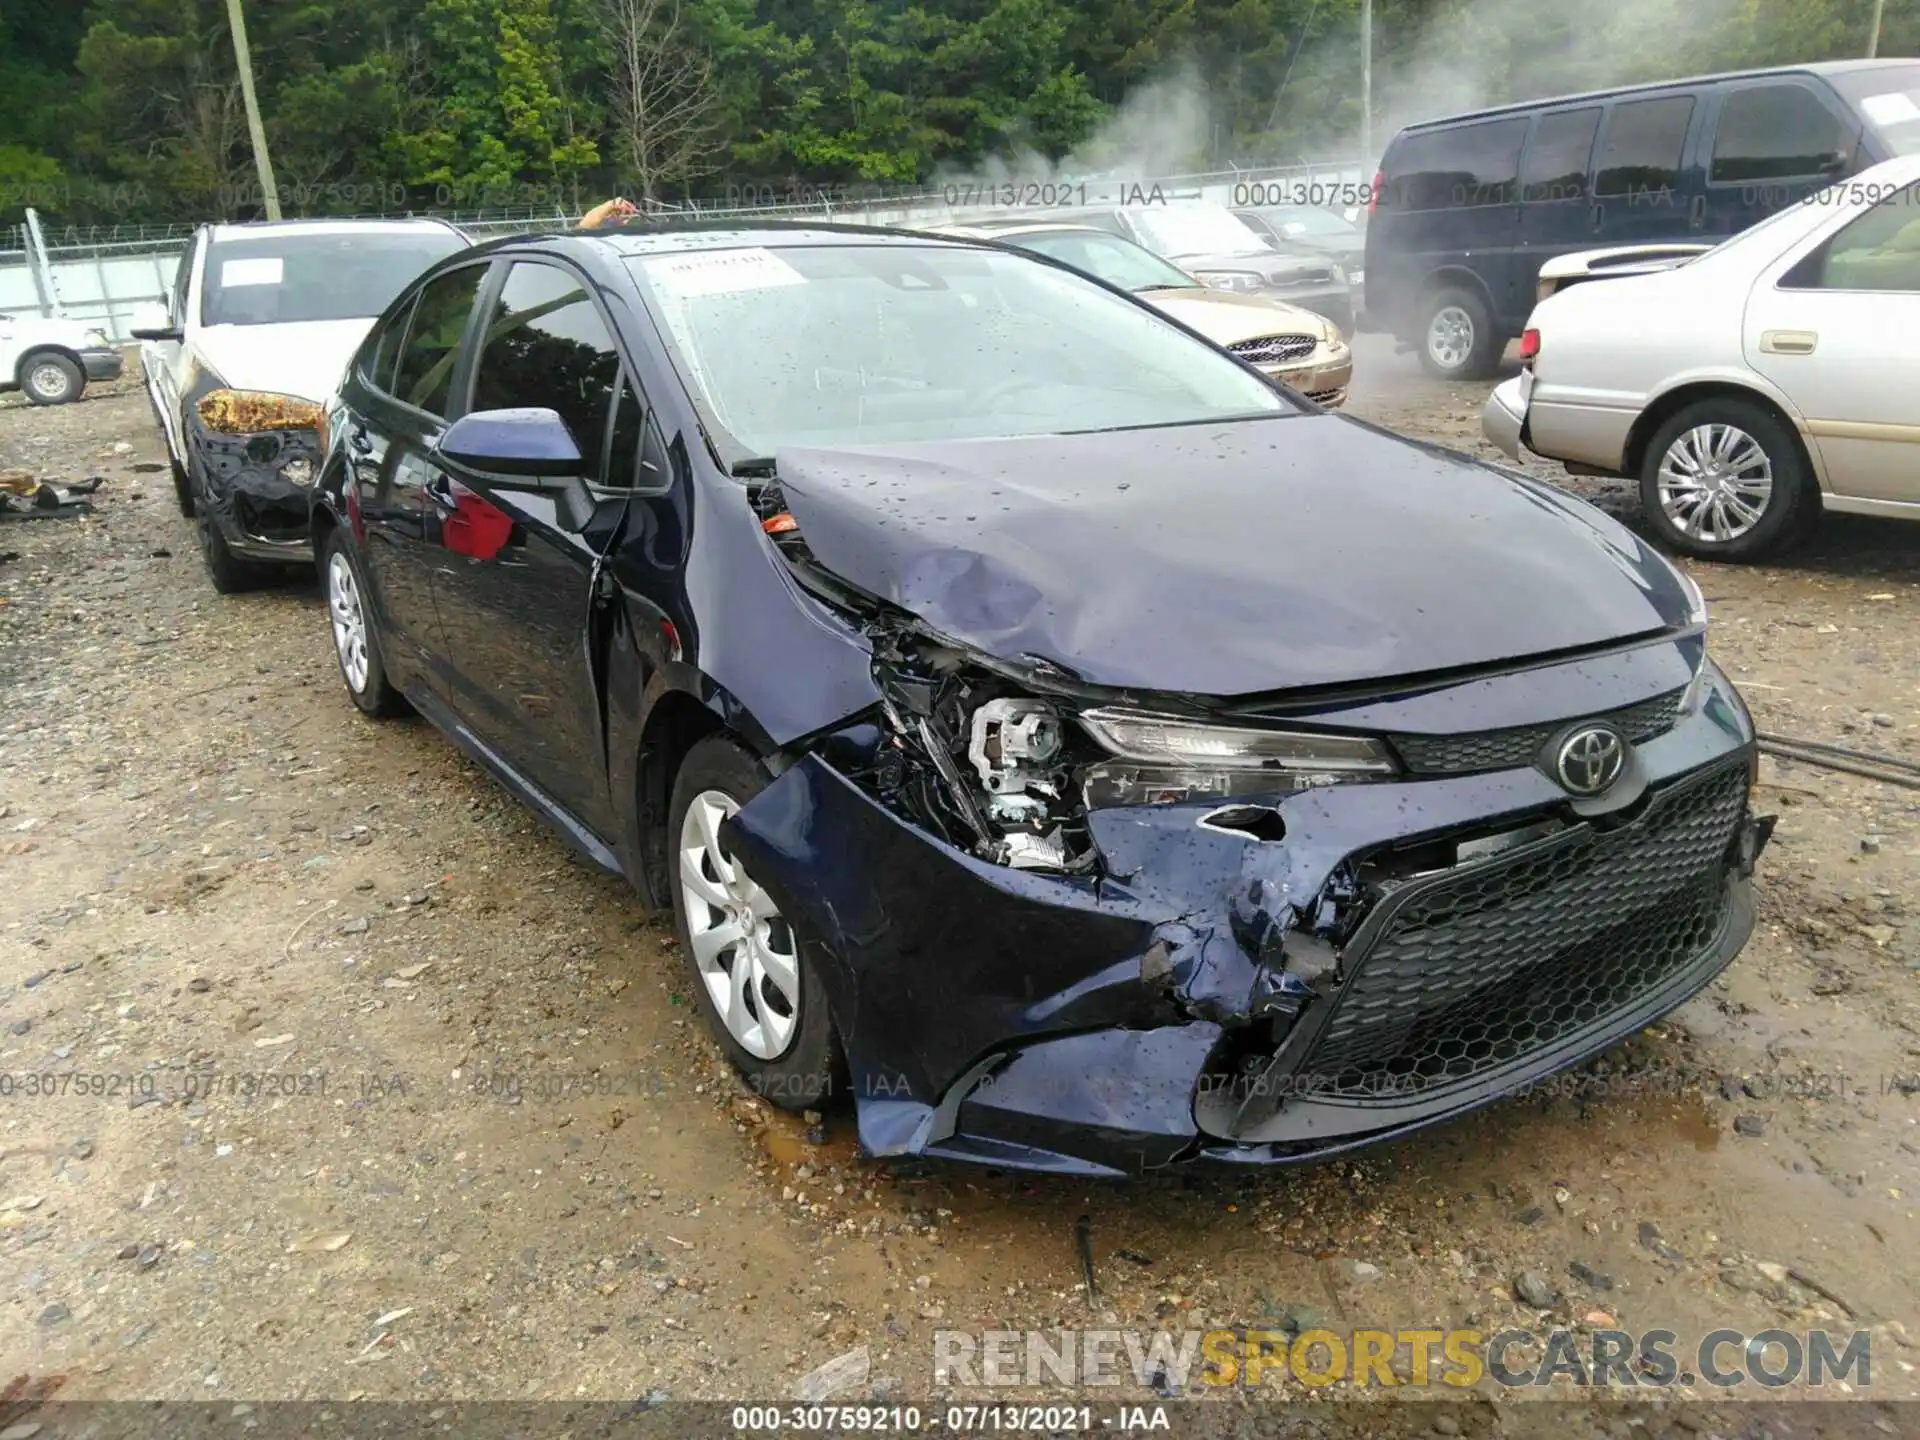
(1466,55)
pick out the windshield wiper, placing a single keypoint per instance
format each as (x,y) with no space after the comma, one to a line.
(754,467)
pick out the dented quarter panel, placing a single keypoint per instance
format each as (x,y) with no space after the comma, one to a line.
(1099,552)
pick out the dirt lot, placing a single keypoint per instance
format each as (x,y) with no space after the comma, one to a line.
(375,1090)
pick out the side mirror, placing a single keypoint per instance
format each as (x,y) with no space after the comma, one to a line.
(532,444)
(152,322)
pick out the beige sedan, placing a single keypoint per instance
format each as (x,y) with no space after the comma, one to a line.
(1302,350)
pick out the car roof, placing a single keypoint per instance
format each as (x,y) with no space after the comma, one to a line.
(1545,102)
(653,237)
(246,230)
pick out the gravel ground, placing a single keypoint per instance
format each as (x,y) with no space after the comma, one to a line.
(374,1090)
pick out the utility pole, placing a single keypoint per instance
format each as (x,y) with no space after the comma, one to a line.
(1873,40)
(1366,82)
(269,193)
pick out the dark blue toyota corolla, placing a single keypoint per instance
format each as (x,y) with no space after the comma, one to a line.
(1079,750)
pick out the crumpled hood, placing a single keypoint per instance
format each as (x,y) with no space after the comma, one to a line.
(307,359)
(1227,559)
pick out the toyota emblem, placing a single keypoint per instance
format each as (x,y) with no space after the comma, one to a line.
(1590,759)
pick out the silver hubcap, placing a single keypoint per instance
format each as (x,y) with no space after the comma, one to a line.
(349,621)
(1450,337)
(1715,482)
(49,381)
(744,950)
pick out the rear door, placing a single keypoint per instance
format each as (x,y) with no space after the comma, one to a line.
(1772,143)
(1643,188)
(1838,329)
(402,526)
(519,586)
(1554,181)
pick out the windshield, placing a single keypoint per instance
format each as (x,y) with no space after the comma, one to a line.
(1120,263)
(864,344)
(1196,230)
(1305,220)
(1889,98)
(273,279)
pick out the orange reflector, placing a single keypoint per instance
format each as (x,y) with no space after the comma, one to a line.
(780,524)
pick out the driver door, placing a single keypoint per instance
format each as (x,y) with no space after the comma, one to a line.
(518,584)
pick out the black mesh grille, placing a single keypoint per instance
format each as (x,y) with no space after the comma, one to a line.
(1274,349)
(1517,953)
(1510,749)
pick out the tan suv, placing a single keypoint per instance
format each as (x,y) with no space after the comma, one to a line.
(1302,350)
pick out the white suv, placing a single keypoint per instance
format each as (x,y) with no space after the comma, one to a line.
(50,361)
(258,330)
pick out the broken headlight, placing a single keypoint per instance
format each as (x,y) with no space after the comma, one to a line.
(252,412)
(1161,759)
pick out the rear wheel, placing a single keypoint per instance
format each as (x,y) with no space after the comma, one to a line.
(1457,336)
(356,643)
(49,378)
(755,975)
(1725,479)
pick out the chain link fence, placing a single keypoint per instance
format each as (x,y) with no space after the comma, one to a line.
(105,274)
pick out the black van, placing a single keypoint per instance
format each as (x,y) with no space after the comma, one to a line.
(1465,210)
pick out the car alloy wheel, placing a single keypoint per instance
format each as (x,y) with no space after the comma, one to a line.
(349,618)
(1715,483)
(49,383)
(744,950)
(1450,337)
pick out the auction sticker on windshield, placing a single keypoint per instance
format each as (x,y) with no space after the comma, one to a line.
(723,272)
(268,270)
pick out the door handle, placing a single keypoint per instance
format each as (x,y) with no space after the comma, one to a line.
(1597,215)
(1697,212)
(361,442)
(1788,342)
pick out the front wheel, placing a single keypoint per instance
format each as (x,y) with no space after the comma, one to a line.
(51,379)
(754,973)
(230,574)
(1725,480)
(1457,337)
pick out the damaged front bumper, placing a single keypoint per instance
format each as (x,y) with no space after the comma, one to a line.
(255,485)
(1209,995)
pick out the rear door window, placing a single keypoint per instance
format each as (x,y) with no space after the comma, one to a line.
(440,317)
(382,350)
(1559,157)
(1778,132)
(1880,251)
(1468,165)
(1644,143)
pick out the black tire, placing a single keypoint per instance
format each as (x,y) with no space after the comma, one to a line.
(230,574)
(49,378)
(807,1074)
(375,696)
(1791,507)
(1480,356)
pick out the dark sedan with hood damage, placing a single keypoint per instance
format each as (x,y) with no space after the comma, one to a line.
(1046,730)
